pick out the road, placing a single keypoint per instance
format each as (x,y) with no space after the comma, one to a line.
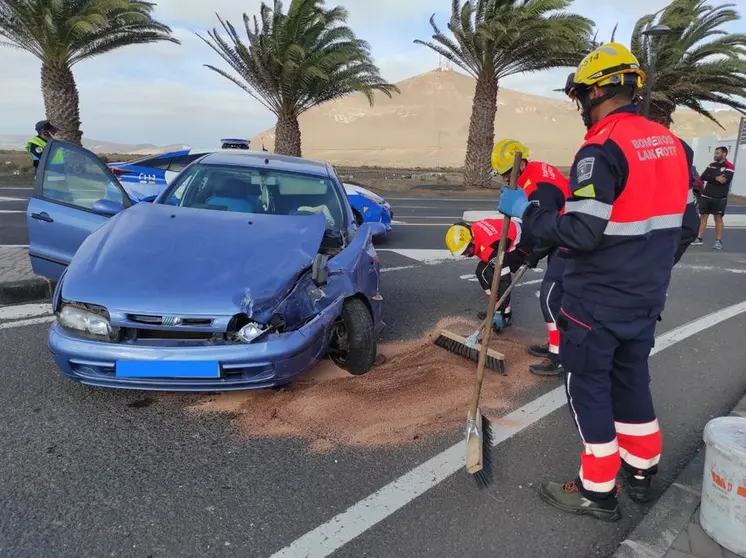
(99,472)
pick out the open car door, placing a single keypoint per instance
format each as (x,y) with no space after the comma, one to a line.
(74,194)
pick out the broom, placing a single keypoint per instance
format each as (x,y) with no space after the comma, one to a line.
(478,428)
(469,347)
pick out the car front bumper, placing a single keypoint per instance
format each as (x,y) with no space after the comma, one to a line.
(276,361)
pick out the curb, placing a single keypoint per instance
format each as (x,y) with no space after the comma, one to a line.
(28,290)
(655,534)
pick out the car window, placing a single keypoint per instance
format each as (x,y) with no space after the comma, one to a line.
(77,178)
(247,190)
(179,163)
(161,163)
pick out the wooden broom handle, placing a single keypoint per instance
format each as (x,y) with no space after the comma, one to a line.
(493,292)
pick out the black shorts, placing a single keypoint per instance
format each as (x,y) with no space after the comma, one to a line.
(712,206)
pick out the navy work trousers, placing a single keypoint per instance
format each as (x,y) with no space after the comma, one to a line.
(604,351)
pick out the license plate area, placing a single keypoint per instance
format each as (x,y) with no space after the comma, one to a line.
(173,369)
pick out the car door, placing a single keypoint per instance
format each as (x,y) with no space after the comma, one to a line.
(74,194)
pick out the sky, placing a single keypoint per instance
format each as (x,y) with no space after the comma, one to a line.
(162,94)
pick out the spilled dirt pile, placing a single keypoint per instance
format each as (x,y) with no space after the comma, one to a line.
(419,390)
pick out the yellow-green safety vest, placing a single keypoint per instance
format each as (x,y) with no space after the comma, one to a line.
(58,157)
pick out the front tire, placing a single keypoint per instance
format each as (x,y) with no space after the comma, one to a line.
(354,339)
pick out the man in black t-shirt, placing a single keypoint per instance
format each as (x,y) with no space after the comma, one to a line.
(717,178)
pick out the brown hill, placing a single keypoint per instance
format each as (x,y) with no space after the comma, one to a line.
(427,125)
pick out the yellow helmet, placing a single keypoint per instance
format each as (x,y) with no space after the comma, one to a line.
(503,154)
(609,64)
(458,239)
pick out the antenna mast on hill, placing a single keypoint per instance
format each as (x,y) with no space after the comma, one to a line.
(444,65)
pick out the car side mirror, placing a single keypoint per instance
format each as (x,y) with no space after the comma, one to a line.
(319,272)
(107,208)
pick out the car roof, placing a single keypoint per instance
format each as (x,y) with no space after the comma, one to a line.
(267,160)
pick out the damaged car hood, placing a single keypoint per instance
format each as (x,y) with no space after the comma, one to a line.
(155,258)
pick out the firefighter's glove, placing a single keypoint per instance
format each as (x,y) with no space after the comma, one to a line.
(497,321)
(512,202)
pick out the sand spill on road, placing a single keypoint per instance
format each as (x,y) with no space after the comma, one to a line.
(419,391)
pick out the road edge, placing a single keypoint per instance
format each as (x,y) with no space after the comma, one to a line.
(654,535)
(27,290)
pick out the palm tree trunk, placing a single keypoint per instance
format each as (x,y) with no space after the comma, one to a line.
(61,101)
(481,139)
(287,135)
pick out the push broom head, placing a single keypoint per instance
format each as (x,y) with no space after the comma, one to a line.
(458,344)
(479,450)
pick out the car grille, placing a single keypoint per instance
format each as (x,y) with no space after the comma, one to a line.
(169,321)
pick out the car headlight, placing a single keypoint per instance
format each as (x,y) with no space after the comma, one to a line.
(86,322)
(251,331)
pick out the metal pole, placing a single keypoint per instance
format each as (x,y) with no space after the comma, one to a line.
(651,77)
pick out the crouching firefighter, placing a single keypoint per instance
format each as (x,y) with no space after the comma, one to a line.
(481,239)
(623,227)
(545,184)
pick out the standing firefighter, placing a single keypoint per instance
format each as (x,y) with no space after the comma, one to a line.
(630,185)
(546,185)
(35,146)
(481,239)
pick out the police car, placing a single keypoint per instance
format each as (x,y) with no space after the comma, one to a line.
(145,178)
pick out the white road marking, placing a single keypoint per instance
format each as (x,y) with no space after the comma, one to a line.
(385,269)
(434,199)
(12,211)
(13,245)
(423,255)
(24,311)
(360,517)
(403,224)
(30,321)
(711,268)
(7,199)
(16,188)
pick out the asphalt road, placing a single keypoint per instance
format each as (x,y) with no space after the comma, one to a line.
(99,472)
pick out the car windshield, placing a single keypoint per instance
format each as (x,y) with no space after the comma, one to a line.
(250,190)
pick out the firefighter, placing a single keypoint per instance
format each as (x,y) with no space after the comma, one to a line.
(481,239)
(631,187)
(35,146)
(547,185)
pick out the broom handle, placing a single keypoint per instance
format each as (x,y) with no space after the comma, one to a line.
(493,291)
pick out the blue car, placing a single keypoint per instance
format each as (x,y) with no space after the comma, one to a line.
(369,207)
(145,178)
(243,273)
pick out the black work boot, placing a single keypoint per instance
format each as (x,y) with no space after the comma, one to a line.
(638,488)
(541,351)
(566,497)
(547,367)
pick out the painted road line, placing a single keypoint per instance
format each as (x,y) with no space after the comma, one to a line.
(711,268)
(402,224)
(434,199)
(30,321)
(16,188)
(13,245)
(12,211)
(24,311)
(385,269)
(358,518)
(423,255)
(7,199)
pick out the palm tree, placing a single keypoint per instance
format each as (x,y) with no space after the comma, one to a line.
(297,60)
(493,39)
(697,62)
(62,33)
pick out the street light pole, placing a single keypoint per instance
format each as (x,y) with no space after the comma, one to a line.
(652,33)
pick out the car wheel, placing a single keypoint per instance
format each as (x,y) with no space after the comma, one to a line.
(353,344)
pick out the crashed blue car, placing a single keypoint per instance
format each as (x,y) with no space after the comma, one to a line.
(243,273)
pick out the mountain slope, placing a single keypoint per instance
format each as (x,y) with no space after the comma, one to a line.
(427,125)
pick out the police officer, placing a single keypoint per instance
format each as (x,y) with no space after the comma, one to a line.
(481,239)
(545,184)
(44,132)
(630,184)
